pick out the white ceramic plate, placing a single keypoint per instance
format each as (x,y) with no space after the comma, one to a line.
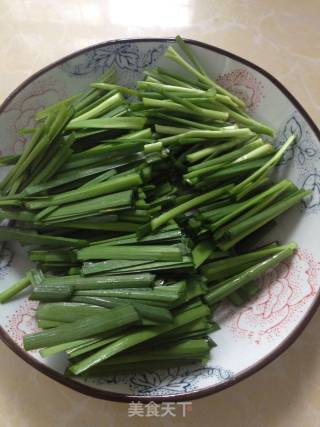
(250,337)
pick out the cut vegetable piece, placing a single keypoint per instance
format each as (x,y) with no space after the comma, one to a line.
(14,289)
(90,268)
(224,268)
(160,253)
(135,338)
(103,188)
(186,263)
(167,293)
(267,214)
(95,206)
(103,282)
(254,201)
(57,292)
(83,328)
(50,351)
(172,54)
(230,285)
(189,349)
(52,256)
(266,167)
(48,324)
(184,207)
(133,123)
(33,238)
(265,217)
(66,311)
(89,347)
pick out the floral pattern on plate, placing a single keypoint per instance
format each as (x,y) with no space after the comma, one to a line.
(22,321)
(281,302)
(245,85)
(168,381)
(20,112)
(125,56)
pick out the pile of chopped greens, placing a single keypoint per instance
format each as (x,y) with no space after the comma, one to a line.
(142,210)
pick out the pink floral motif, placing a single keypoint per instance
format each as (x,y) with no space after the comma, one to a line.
(20,112)
(286,293)
(22,321)
(245,85)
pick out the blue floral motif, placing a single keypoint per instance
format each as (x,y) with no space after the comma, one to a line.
(167,381)
(302,149)
(125,56)
(6,257)
(80,65)
(312,182)
(305,153)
